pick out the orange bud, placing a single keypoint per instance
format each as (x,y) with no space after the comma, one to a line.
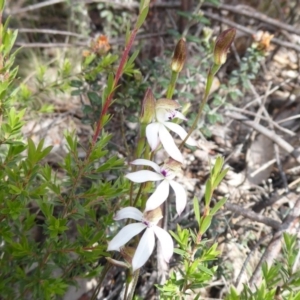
(100,45)
(222,45)
(262,40)
(179,56)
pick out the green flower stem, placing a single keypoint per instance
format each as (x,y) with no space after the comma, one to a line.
(138,194)
(103,274)
(171,86)
(214,71)
(142,149)
(146,185)
(141,141)
(211,74)
(132,285)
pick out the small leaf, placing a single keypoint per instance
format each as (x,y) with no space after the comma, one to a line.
(206,221)
(2,4)
(233,294)
(218,165)
(31,151)
(218,206)
(94,98)
(76,83)
(127,34)
(220,177)
(133,57)
(208,192)
(142,17)
(196,210)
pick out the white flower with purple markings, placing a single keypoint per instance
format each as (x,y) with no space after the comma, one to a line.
(148,222)
(166,174)
(165,111)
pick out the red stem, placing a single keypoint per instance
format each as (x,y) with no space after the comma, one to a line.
(117,77)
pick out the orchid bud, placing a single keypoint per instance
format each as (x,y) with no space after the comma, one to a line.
(223,42)
(148,107)
(179,56)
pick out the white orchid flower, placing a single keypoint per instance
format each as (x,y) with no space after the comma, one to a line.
(147,221)
(167,173)
(165,110)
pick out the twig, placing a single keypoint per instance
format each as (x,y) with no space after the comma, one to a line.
(162,5)
(275,245)
(293,171)
(174,5)
(248,11)
(131,5)
(271,124)
(263,167)
(276,148)
(278,197)
(294,182)
(85,44)
(35,6)
(280,168)
(250,31)
(49,45)
(289,119)
(253,215)
(50,31)
(110,2)
(269,134)
(260,241)
(274,89)
(250,113)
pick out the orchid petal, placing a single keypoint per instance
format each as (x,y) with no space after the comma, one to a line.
(143,176)
(159,196)
(179,115)
(169,144)
(180,196)
(165,241)
(181,132)
(128,213)
(152,135)
(144,249)
(161,115)
(124,235)
(146,162)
